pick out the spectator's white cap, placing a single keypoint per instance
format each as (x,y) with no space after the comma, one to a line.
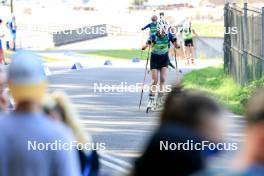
(26,77)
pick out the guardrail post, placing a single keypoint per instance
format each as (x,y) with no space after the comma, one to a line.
(227,66)
(226,57)
(245,46)
(262,39)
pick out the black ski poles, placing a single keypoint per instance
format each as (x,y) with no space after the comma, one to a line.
(144,80)
(142,40)
(175,57)
(178,71)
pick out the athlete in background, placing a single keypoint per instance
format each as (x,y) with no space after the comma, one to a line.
(188,34)
(152,26)
(11,25)
(2,57)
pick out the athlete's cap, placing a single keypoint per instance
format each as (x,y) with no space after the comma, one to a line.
(154,18)
(26,77)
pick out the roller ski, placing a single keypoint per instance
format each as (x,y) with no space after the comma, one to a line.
(155,103)
(151,103)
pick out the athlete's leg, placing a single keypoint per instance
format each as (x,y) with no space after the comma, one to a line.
(192,54)
(7,44)
(2,57)
(163,78)
(13,46)
(152,90)
(187,54)
(154,82)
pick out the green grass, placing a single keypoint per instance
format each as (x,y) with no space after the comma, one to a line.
(209,29)
(220,86)
(120,54)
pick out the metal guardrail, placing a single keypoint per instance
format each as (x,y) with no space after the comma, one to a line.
(79,34)
(61,34)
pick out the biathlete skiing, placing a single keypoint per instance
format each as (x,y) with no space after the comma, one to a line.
(159,62)
(153,28)
(188,34)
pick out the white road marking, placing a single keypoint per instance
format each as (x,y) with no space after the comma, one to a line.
(116,160)
(113,166)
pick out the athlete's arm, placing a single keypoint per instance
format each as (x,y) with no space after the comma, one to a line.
(150,41)
(175,44)
(147,26)
(173,40)
(147,45)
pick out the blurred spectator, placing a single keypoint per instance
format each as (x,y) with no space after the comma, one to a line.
(2,57)
(251,159)
(7,36)
(59,108)
(31,144)
(12,27)
(3,96)
(188,117)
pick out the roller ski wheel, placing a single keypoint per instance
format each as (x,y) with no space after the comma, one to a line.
(148,110)
(155,104)
(160,101)
(151,103)
(156,108)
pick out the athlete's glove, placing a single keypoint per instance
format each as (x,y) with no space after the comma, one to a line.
(174,39)
(144,47)
(149,42)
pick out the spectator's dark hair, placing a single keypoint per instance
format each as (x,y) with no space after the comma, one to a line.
(255,108)
(1,21)
(188,108)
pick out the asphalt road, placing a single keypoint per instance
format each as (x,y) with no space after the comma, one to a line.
(113,118)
